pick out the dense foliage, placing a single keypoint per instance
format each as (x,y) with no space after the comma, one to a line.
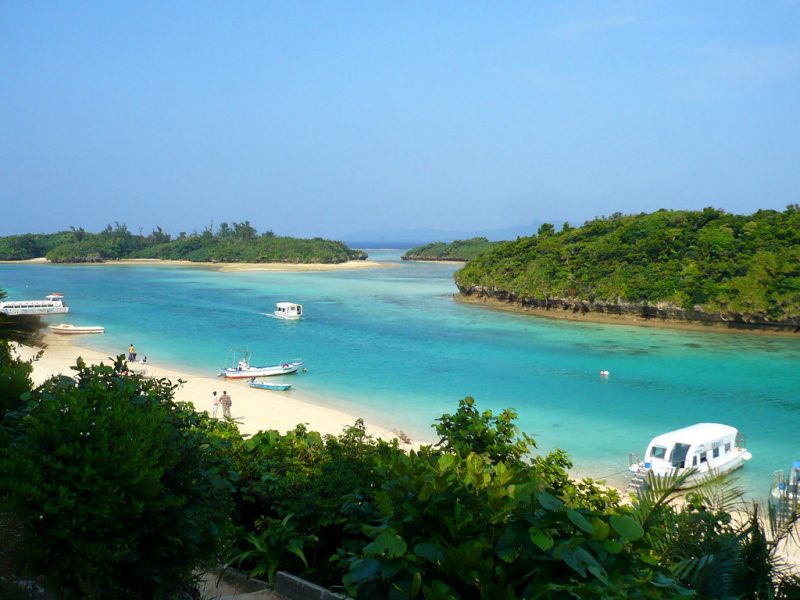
(747,264)
(120,492)
(123,492)
(238,242)
(457,250)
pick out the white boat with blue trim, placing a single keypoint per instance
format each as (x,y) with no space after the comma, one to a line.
(269,385)
(703,448)
(51,305)
(244,370)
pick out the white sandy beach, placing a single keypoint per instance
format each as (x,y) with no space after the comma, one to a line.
(254,409)
(232,267)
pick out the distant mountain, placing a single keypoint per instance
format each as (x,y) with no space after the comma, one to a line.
(408,238)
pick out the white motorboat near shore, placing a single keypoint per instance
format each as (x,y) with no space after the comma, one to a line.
(65,328)
(244,370)
(703,448)
(51,305)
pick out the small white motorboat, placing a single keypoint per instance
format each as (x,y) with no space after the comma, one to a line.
(244,370)
(288,311)
(66,328)
(704,448)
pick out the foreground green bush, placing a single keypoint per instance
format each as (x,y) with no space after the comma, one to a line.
(124,492)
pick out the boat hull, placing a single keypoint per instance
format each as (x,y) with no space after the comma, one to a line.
(735,462)
(55,310)
(70,330)
(287,318)
(274,387)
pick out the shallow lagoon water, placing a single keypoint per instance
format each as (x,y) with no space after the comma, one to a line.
(392,344)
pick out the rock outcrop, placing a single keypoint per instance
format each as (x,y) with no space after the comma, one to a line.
(663,311)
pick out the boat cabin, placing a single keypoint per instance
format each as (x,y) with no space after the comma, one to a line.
(704,446)
(288,310)
(54,303)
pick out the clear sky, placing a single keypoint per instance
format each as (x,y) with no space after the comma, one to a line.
(324,118)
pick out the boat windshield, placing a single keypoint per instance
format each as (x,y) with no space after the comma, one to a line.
(658,452)
(678,455)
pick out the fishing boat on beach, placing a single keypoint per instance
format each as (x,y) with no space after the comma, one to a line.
(66,328)
(272,386)
(288,311)
(244,370)
(51,305)
(703,449)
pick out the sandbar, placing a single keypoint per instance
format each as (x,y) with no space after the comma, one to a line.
(225,267)
(254,409)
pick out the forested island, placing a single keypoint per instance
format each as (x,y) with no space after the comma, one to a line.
(693,266)
(459,250)
(237,242)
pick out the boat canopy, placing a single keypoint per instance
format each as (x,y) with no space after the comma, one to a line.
(288,305)
(695,435)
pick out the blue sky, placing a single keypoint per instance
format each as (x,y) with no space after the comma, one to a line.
(325,118)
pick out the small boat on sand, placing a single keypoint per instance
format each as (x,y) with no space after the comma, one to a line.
(275,387)
(66,328)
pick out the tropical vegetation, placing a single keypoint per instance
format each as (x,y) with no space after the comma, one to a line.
(116,490)
(237,242)
(704,260)
(458,250)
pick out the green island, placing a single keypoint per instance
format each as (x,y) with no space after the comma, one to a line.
(704,266)
(109,488)
(458,250)
(237,242)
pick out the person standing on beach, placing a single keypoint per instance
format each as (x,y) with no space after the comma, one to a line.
(226,403)
(131,353)
(214,404)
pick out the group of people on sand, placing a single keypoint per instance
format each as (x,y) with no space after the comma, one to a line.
(224,401)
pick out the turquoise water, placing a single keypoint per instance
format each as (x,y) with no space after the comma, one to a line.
(392,345)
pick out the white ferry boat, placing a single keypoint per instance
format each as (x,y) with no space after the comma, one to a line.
(51,305)
(703,447)
(288,310)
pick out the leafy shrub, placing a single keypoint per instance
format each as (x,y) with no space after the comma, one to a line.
(453,526)
(289,496)
(15,380)
(471,431)
(124,491)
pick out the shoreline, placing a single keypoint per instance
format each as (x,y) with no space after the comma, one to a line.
(607,319)
(254,409)
(224,267)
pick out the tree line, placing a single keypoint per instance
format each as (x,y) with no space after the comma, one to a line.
(456,250)
(235,242)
